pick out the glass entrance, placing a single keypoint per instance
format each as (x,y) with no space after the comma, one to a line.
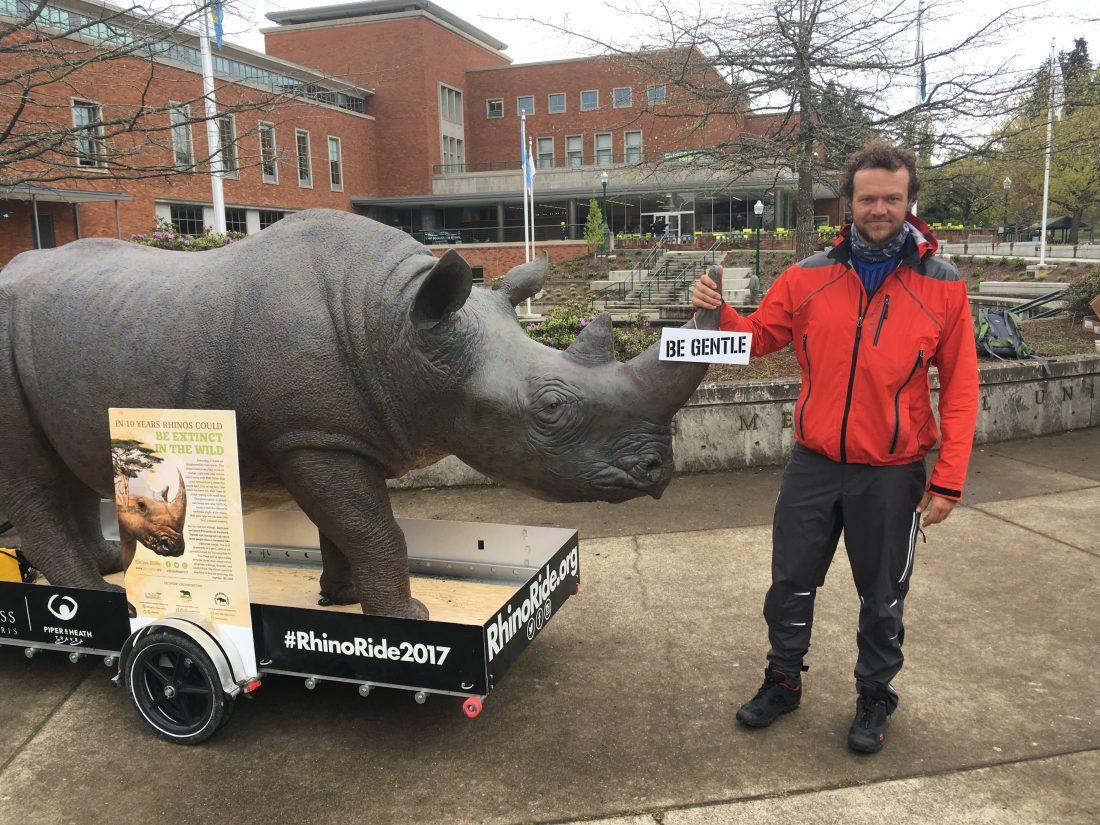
(675,227)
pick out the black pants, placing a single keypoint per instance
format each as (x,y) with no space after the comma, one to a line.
(875,507)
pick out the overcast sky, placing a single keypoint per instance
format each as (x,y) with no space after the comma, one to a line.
(527,42)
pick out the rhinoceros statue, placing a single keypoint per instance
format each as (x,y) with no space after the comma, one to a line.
(350,354)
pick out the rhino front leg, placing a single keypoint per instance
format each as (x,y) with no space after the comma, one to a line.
(86,511)
(337,586)
(345,496)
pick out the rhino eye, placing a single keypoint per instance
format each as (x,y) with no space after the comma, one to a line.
(142,507)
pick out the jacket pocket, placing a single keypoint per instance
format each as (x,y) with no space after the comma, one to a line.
(881,319)
(801,433)
(897,400)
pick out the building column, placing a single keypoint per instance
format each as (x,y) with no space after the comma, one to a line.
(427,217)
(500,221)
(571,218)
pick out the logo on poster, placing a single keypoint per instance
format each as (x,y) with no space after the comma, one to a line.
(63,607)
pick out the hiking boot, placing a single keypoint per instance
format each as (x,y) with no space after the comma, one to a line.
(779,694)
(868,731)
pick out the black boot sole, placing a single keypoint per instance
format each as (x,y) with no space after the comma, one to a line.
(749,723)
(865,747)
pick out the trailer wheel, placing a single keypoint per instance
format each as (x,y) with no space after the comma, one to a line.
(472,707)
(176,689)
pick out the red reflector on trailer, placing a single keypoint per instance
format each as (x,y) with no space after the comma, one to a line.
(251,686)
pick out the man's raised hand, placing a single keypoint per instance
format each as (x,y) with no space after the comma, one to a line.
(704,294)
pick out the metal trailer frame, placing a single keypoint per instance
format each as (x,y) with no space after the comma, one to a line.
(539,564)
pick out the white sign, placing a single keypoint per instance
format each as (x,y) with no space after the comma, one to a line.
(704,346)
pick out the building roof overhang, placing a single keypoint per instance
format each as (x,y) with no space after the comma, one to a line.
(372,8)
(55,194)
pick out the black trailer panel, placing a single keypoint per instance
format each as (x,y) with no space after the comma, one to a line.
(435,656)
(46,616)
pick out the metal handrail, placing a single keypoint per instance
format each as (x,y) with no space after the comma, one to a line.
(1027,310)
(627,285)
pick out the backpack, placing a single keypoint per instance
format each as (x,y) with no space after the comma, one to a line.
(999,335)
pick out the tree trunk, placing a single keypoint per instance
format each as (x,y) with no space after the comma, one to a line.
(1074,227)
(804,204)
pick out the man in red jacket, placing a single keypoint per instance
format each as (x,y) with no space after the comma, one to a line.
(867,318)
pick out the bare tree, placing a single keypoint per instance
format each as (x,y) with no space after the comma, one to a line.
(809,79)
(50,131)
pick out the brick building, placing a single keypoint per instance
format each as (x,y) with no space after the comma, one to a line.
(410,115)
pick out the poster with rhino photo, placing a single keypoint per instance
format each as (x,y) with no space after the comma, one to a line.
(180,524)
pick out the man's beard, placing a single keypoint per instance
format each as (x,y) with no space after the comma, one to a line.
(879,233)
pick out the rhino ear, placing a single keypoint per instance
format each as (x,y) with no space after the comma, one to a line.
(523,281)
(442,292)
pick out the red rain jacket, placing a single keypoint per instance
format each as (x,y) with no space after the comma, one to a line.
(865,395)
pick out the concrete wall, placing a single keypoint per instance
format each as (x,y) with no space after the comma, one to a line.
(725,426)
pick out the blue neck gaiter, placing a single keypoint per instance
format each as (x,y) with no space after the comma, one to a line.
(873,262)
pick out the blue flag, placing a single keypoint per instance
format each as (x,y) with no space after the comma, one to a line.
(217,14)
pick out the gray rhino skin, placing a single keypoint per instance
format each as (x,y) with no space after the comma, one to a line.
(350,355)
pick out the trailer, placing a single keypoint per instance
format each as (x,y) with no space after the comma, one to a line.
(490,590)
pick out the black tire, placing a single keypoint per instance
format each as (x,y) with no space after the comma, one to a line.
(175,688)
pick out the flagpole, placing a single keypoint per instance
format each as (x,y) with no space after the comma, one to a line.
(530,163)
(1046,170)
(213,137)
(920,67)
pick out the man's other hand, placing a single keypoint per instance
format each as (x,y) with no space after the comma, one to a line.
(704,293)
(935,509)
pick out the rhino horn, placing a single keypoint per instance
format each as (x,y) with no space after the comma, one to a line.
(667,384)
(179,503)
(164,493)
(523,281)
(442,292)
(595,344)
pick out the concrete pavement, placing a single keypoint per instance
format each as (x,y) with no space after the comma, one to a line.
(623,707)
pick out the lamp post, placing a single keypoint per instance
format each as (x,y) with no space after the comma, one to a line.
(603,210)
(1007,185)
(754,282)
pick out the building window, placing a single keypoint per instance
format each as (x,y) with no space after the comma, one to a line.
(335,165)
(655,94)
(450,104)
(478,273)
(270,216)
(556,103)
(590,99)
(305,163)
(183,152)
(623,97)
(227,137)
(268,165)
(494,108)
(574,150)
(525,105)
(603,149)
(453,154)
(546,153)
(236,220)
(90,149)
(632,143)
(187,220)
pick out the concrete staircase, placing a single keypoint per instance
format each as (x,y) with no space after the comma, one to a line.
(667,285)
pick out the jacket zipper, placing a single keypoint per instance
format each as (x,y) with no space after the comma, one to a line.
(851,383)
(881,318)
(809,388)
(897,398)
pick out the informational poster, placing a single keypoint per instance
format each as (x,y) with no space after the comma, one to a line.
(181,527)
(705,346)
